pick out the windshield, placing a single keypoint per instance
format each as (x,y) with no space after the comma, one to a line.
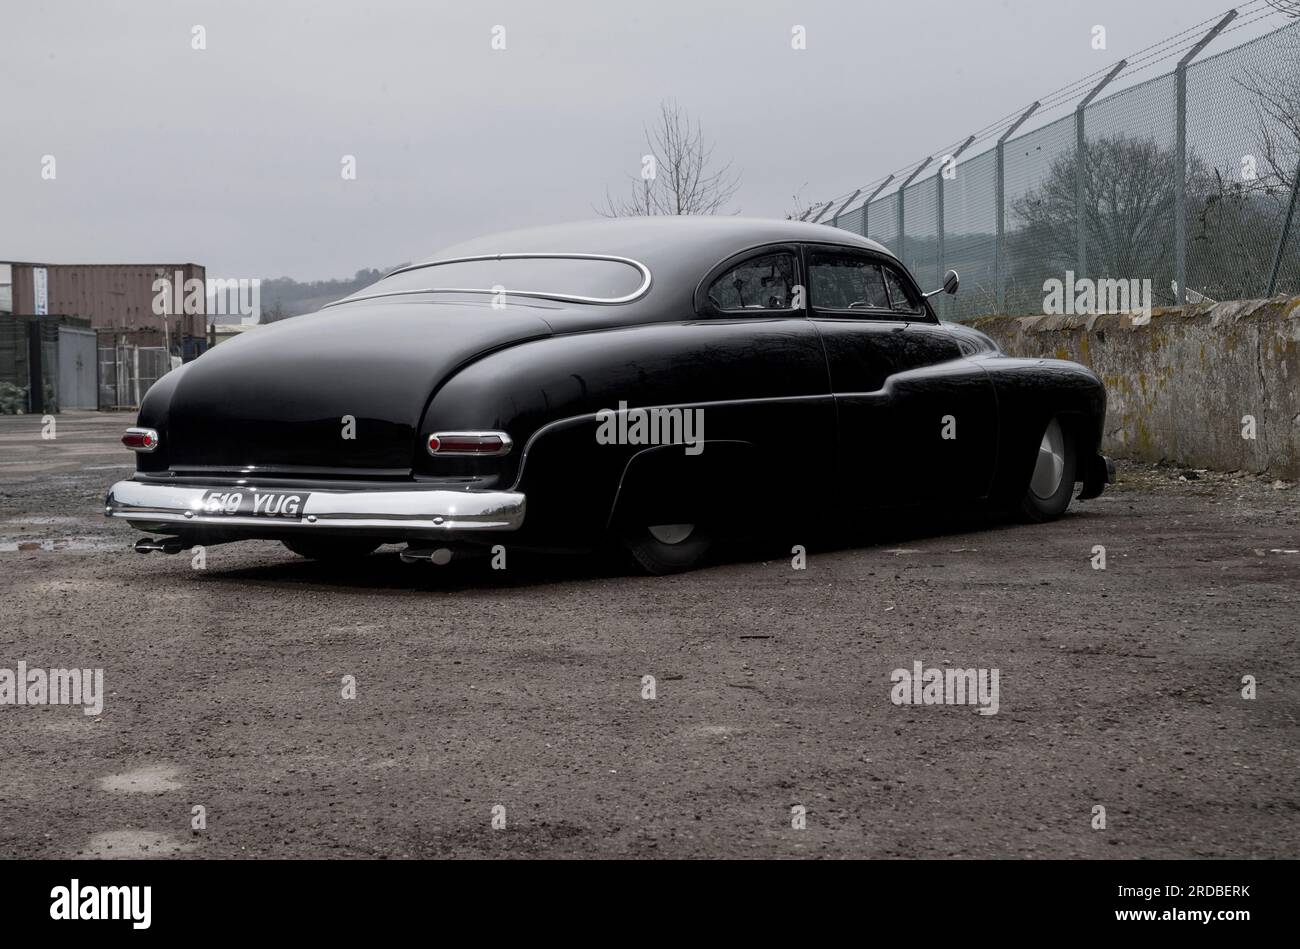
(588,279)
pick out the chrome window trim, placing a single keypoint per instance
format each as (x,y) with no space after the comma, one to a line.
(538,294)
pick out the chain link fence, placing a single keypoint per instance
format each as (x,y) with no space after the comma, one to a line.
(126,373)
(1188,180)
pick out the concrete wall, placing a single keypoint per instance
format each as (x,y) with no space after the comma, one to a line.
(1179,386)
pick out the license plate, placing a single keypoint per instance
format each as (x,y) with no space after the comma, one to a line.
(253,503)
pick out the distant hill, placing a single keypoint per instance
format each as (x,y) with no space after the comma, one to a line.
(283,297)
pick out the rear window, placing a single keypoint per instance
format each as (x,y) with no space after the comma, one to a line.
(591,279)
(760,283)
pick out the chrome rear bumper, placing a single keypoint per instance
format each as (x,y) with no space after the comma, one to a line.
(163,509)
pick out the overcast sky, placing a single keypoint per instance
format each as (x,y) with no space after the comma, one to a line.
(231,156)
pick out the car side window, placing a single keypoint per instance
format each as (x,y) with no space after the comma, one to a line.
(760,283)
(846,282)
(902,298)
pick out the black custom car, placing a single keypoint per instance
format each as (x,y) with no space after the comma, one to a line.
(655,380)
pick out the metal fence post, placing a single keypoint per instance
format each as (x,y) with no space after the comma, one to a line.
(1081,173)
(871,197)
(1180,181)
(999,191)
(835,218)
(1180,156)
(938,218)
(938,233)
(1286,231)
(35,369)
(902,195)
(1080,197)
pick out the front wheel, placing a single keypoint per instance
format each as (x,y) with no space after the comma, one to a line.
(667,548)
(1052,481)
(331,548)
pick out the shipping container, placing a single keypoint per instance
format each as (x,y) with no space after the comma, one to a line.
(112,296)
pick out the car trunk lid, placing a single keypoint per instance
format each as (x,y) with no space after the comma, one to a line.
(335,394)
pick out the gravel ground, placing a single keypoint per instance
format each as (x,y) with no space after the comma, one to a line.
(522,688)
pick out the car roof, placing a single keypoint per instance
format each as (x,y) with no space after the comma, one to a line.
(661,242)
(678,250)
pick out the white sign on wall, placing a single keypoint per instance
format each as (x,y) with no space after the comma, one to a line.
(40,281)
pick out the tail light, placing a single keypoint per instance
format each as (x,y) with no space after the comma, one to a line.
(140,439)
(469,443)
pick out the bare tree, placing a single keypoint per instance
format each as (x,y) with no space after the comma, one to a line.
(1235,230)
(678,174)
(1128,209)
(274,313)
(1276,95)
(797,203)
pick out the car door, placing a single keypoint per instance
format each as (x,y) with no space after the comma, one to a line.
(778,400)
(916,419)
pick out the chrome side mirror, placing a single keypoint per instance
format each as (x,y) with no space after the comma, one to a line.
(950,284)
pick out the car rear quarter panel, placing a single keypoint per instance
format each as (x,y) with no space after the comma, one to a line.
(761,386)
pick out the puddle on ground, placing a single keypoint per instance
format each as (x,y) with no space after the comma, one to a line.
(151,779)
(45,519)
(73,729)
(712,731)
(359,630)
(81,587)
(133,845)
(76,545)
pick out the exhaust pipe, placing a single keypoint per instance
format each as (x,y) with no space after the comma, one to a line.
(435,555)
(458,551)
(168,545)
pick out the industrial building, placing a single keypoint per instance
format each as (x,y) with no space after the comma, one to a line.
(87,336)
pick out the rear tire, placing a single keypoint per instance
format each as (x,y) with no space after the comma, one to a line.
(667,548)
(1052,481)
(332,549)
